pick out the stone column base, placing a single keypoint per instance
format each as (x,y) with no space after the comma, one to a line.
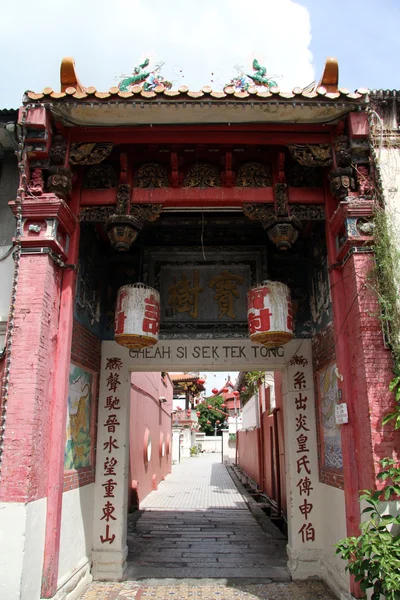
(304,563)
(109,566)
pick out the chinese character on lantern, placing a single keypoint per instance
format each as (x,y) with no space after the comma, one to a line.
(260,322)
(151,321)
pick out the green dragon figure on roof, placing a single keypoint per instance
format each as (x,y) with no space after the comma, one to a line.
(149,79)
(243,81)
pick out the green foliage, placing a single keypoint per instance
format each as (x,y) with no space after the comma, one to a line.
(193,450)
(374,556)
(214,414)
(250,385)
(387,260)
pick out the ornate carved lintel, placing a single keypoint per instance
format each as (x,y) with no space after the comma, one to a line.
(151,175)
(254,174)
(89,153)
(202,175)
(312,155)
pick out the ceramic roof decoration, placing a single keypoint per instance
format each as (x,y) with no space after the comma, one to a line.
(149,79)
(244,82)
(146,89)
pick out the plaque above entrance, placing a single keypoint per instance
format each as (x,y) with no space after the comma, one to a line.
(204,294)
(216,355)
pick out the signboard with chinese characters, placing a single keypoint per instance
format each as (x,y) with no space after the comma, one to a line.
(204,293)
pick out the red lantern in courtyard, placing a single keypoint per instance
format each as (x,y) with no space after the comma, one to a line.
(210,406)
(225,390)
(269,313)
(201,381)
(198,413)
(208,422)
(214,391)
(218,422)
(236,393)
(223,405)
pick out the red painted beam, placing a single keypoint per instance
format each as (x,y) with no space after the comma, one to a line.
(203,197)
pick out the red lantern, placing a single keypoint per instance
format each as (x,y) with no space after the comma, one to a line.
(225,390)
(236,393)
(243,389)
(208,422)
(269,313)
(198,413)
(178,408)
(210,406)
(201,381)
(223,405)
(218,422)
(214,391)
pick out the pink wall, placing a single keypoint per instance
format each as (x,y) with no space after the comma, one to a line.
(149,415)
(248,453)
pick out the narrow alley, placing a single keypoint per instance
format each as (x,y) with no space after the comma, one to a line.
(195,537)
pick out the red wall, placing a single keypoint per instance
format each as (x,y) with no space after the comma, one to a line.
(148,413)
(248,453)
(273,432)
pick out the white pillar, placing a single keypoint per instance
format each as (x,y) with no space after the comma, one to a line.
(112,466)
(176,433)
(305,540)
(187,437)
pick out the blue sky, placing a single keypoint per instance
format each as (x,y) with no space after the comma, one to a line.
(200,42)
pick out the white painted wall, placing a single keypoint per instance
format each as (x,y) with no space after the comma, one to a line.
(22,531)
(250,414)
(210,443)
(333,530)
(76,532)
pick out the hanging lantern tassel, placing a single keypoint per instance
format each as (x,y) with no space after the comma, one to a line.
(269,313)
(137,316)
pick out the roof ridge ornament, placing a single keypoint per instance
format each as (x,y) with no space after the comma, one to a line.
(68,76)
(146,77)
(243,82)
(330,76)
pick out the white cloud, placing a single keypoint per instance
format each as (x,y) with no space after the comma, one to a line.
(194,38)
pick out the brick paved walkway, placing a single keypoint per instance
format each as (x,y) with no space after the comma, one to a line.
(201,482)
(197,539)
